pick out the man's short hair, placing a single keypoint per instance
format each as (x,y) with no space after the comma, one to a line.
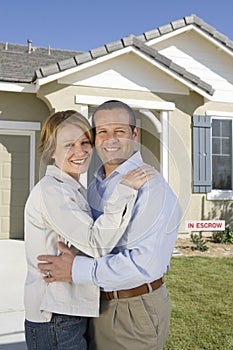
(115,104)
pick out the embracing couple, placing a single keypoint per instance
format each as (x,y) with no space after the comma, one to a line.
(99,284)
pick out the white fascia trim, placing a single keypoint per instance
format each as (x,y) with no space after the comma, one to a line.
(135,103)
(176,76)
(13,87)
(57,76)
(13,125)
(219,114)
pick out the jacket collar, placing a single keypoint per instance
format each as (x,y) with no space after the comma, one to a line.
(61,176)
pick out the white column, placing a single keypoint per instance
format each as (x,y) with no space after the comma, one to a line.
(164,145)
(84,112)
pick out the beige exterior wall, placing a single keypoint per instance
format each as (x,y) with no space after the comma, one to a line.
(59,97)
(180,154)
(22,107)
(195,206)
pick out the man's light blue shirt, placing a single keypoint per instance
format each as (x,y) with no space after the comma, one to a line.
(143,253)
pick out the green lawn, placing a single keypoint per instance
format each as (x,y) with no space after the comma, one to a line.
(201,291)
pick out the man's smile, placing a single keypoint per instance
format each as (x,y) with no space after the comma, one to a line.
(111,149)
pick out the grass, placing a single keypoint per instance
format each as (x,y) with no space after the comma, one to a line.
(201,291)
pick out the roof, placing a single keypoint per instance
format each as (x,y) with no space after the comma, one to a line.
(18,63)
(20,66)
(184,22)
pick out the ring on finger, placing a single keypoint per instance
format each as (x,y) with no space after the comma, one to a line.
(49,274)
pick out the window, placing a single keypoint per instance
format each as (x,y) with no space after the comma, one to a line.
(212,156)
(222,154)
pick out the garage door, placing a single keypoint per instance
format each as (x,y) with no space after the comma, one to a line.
(14,184)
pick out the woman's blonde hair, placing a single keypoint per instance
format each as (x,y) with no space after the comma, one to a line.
(56,121)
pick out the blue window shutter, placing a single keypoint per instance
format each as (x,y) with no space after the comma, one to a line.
(202,173)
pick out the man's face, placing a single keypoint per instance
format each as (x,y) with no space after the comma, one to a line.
(115,140)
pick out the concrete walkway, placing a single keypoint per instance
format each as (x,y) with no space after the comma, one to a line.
(12,277)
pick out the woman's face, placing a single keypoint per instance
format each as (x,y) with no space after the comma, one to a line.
(73,150)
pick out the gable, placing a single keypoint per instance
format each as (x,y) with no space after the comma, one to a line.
(128,71)
(202,58)
(120,48)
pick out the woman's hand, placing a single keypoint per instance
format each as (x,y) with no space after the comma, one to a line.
(57,268)
(138,177)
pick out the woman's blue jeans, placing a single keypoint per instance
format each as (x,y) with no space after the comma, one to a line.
(62,332)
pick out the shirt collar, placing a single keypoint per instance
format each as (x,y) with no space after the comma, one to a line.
(61,176)
(133,162)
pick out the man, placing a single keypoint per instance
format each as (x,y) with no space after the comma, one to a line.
(135,305)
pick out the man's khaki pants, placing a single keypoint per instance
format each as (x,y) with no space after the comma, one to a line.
(138,323)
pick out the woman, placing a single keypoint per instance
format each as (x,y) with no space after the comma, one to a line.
(57,210)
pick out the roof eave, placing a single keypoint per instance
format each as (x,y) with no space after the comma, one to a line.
(18,87)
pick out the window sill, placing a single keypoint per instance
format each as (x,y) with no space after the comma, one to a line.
(220,195)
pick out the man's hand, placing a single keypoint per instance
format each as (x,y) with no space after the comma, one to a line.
(57,268)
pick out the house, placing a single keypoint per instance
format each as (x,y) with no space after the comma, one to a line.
(179,80)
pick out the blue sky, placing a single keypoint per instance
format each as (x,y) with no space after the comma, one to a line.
(87,24)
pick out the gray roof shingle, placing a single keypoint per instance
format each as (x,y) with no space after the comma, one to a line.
(17,65)
(188,20)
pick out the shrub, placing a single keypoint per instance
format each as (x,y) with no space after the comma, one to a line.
(199,243)
(223,236)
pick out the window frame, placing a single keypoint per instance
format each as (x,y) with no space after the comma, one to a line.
(217,194)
